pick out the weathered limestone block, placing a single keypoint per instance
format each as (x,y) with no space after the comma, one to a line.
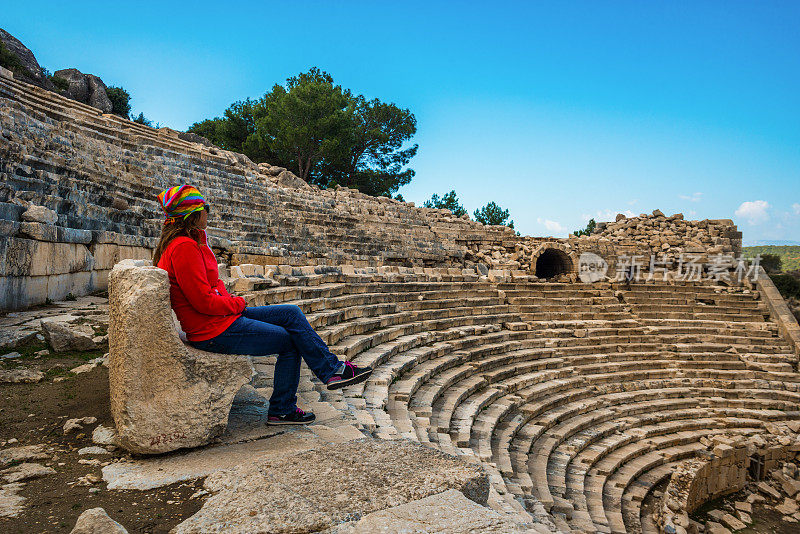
(59,286)
(40,214)
(106,255)
(21,376)
(249,269)
(14,455)
(96,521)
(29,257)
(448,512)
(63,337)
(317,489)
(104,436)
(25,471)
(289,179)
(119,203)
(58,234)
(12,338)
(73,425)
(11,504)
(164,395)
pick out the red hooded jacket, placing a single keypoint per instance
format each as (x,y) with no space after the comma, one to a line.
(203,306)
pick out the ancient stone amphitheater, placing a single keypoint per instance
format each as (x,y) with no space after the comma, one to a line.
(578,399)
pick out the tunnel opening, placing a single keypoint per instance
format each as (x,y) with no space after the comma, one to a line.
(553,262)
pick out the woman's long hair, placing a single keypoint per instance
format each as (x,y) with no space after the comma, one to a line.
(179,227)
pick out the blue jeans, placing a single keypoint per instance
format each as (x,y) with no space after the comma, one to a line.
(280,329)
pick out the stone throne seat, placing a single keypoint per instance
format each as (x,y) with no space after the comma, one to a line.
(165,395)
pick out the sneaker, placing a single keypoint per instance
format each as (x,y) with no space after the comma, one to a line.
(349,375)
(298,417)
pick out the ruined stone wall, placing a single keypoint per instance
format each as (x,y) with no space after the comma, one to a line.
(100,175)
(721,470)
(670,236)
(645,235)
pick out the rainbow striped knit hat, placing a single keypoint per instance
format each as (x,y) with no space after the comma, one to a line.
(180,201)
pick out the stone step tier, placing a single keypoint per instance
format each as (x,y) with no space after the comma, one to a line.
(81,163)
(576,401)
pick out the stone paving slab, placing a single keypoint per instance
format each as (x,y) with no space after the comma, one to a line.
(157,472)
(248,422)
(246,441)
(321,488)
(448,512)
(11,503)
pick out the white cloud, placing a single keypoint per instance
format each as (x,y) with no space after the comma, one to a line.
(632,202)
(694,197)
(755,211)
(609,215)
(796,208)
(552,226)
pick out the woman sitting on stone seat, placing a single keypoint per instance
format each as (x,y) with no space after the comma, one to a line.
(216,321)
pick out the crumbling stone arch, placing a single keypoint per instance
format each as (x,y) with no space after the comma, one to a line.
(553,259)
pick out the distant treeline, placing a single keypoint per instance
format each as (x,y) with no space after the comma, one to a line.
(789,255)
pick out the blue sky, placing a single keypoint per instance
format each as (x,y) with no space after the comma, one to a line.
(558,111)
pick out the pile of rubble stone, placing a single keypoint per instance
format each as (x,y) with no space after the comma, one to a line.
(726,468)
(671,235)
(19,464)
(516,256)
(79,325)
(780,491)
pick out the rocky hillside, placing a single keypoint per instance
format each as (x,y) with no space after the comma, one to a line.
(72,83)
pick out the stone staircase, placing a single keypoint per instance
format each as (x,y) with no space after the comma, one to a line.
(577,399)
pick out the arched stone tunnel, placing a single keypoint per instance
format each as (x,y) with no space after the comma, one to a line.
(551,262)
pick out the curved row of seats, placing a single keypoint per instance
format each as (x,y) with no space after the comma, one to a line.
(76,160)
(576,398)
